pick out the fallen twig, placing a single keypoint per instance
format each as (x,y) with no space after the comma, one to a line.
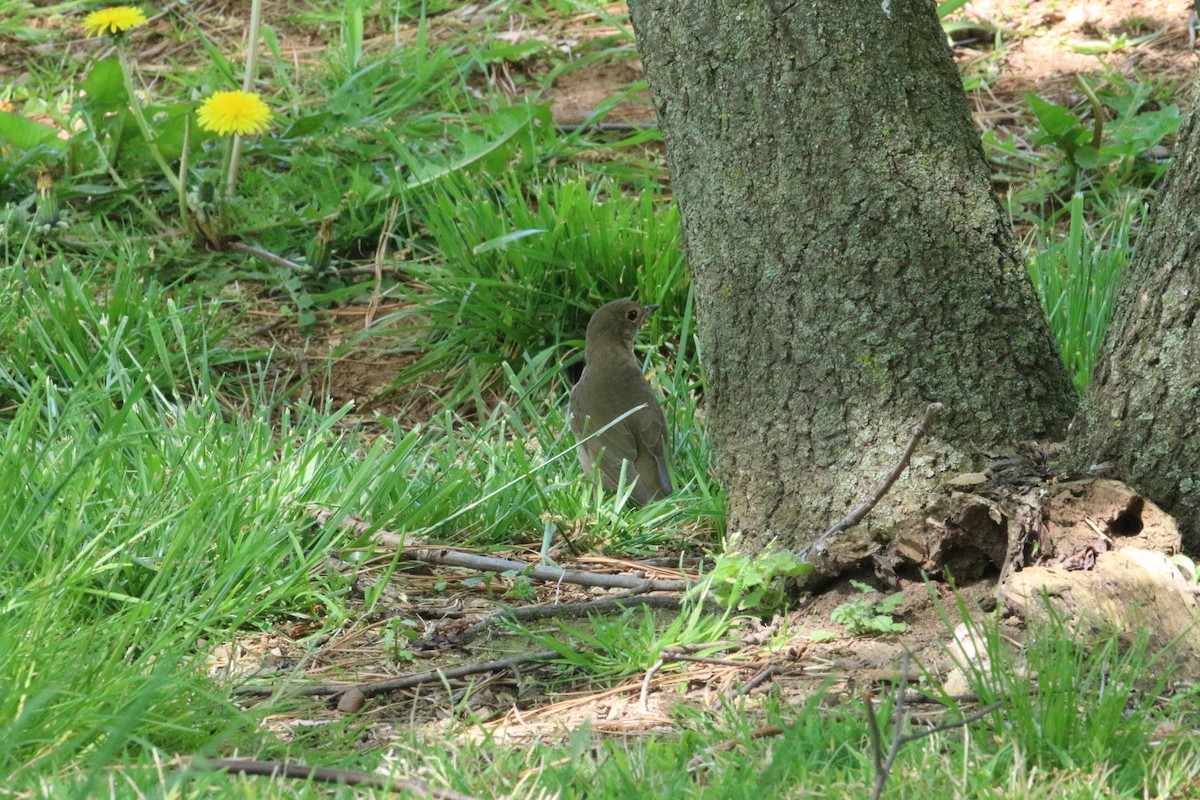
(673,654)
(266,255)
(445,557)
(347,777)
(453,558)
(406,682)
(858,514)
(884,763)
(644,696)
(765,674)
(758,733)
(716,662)
(603,605)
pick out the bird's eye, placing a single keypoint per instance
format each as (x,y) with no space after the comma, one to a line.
(631,316)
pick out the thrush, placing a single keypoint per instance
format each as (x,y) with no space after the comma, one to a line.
(612,383)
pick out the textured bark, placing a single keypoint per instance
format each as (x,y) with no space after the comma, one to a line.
(851,263)
(1140,411)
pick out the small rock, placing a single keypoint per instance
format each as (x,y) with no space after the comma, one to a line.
(967,480)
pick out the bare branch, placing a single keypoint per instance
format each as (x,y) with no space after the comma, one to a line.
(266,255)
(347,777)
(948,726)
(758,733)
(406,682)
(884,764)
(858,514)
(876,747)
(604,605)
(446,557)
(762,677)
(644,697)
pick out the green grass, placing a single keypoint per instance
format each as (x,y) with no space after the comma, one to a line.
(1076,276)
(158,478)
(502,277)
(138,528)
(1094,701)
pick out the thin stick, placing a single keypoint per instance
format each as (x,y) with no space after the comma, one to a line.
(857,515)
(454,558)
(762,677)
(604,605)
(266,255)
(876,748)
(884,764)
(406,682)
(644,697)
(675,654)
(446,557)
(758,733)
(347,777)
(716,662)
(947,726)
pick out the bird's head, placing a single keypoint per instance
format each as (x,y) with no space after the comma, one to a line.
(618,322)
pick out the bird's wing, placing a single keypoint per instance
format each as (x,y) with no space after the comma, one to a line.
(639,439)
(650,432)
(652,459)
(618,444)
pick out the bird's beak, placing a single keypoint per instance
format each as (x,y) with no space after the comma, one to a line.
(650,308)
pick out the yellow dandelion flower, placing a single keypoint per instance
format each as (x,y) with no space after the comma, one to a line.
(234,112)
(117,19)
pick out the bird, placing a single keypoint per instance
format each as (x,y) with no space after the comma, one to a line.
(612,383)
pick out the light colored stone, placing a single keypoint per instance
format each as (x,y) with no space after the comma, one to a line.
(1129,590)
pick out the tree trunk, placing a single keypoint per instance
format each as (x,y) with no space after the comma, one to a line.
(851,263)
(1140,412)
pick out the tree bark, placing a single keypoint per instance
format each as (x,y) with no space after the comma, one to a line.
(850,261)
(1139,414)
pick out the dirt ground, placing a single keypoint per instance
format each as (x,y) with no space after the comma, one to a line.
(799,654)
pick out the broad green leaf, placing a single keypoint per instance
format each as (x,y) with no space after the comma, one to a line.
(422,176)
(307,124)
(24,133)
(104,87)
(1056,120)
(1090,157)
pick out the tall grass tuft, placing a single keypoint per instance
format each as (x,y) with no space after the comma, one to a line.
(515,269)
(144,523)
(1078,700)
(1077,275)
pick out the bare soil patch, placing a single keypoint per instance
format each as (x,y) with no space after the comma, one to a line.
(1045,45)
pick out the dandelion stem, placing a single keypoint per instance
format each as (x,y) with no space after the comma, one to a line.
(247,86)
(140,118)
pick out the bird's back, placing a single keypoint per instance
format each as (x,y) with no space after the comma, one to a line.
(639,439)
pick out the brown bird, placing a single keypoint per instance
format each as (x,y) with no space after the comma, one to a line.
(611,384)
